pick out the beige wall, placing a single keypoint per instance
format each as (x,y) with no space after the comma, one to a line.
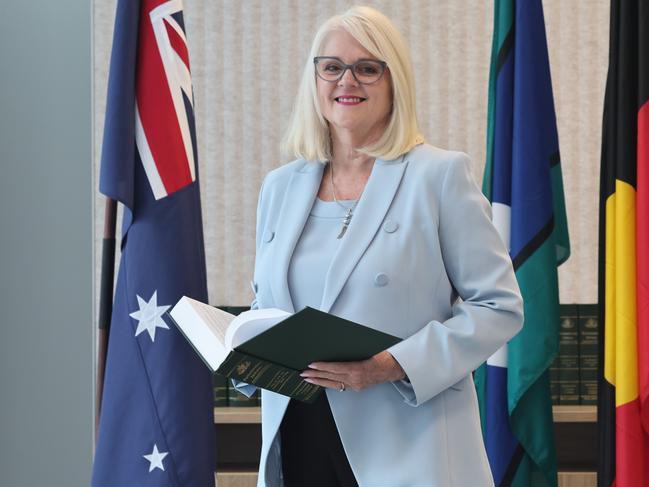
(246,58)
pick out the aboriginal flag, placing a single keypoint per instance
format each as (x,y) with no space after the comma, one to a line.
(624,253)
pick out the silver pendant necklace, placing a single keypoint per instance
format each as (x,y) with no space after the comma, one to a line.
(350,211)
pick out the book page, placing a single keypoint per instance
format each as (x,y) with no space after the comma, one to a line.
(216,319)
(251,323)
(204,327)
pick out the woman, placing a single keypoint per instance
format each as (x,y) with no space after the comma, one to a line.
(373,225)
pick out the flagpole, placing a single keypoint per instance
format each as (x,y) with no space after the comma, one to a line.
(105,301)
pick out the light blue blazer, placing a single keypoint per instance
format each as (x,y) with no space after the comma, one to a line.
(421,260)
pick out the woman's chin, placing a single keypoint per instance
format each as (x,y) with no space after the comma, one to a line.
(353,125)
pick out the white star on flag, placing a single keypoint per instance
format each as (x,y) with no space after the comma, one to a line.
(155,458)
(149,316)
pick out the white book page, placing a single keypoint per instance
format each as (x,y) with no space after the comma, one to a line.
(205,327)
(216,319)
(251,323)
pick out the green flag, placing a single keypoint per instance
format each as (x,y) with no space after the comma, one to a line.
(523,182)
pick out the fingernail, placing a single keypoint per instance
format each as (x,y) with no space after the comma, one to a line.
(308,380)
(313,366)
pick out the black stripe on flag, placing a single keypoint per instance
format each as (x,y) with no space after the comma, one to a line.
(534,243)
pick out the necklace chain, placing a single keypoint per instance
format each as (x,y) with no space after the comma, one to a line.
(333,191)
(350,211)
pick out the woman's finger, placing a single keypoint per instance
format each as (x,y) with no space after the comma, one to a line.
(335,367)
(331,384)
(321,374)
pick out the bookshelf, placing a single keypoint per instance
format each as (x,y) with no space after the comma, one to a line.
(238,431)
(252,415)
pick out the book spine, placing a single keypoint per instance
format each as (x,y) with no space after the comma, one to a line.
(588,350)
(220,388)
(269,376)
(555,381)
(569,356)
(258,396)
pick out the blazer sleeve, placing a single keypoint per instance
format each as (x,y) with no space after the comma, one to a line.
(490,311)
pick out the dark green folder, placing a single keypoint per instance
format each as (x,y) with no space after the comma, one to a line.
(311,335)
(274,359)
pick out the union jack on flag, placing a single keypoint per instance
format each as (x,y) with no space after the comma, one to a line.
(156,425)
(164,111)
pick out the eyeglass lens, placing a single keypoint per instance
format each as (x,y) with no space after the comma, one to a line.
(365,71)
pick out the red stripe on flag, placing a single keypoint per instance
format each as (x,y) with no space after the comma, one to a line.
(632,452)
(157,112)
(642,270)
(178,44)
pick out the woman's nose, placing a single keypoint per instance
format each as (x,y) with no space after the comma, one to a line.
(347,78)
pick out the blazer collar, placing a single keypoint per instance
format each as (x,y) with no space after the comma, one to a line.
(372,207)
(296,206)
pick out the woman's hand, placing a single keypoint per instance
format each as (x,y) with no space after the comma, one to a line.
(357,376)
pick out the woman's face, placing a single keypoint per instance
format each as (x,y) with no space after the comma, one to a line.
(347,104)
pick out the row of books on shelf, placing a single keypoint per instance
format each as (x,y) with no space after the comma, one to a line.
(573,375)
(225,395)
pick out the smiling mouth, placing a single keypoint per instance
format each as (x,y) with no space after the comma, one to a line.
(349,100)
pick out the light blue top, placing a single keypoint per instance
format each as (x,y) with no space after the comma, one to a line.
(314,252)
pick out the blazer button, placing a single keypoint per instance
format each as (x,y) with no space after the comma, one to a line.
(268,236)
(390,226)
(381,279)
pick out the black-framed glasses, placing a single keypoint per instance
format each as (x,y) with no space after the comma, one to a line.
(365,71)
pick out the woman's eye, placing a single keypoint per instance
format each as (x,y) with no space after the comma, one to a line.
(332,68)
(367,69)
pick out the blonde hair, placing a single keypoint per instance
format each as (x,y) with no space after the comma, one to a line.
(308,136)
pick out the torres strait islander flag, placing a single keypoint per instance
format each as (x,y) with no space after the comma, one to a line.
(156,426)
(623,403)
(524,184)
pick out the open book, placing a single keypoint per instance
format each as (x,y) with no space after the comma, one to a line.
(269,348)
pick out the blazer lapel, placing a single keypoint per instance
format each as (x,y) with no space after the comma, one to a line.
(296,206)
(375,201)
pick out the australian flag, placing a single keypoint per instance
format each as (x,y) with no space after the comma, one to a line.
(156,425)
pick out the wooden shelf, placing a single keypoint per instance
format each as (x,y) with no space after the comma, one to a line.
(236,479)
(576,479)
(237,415)
(252,415)
(574,414)
(249,479)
